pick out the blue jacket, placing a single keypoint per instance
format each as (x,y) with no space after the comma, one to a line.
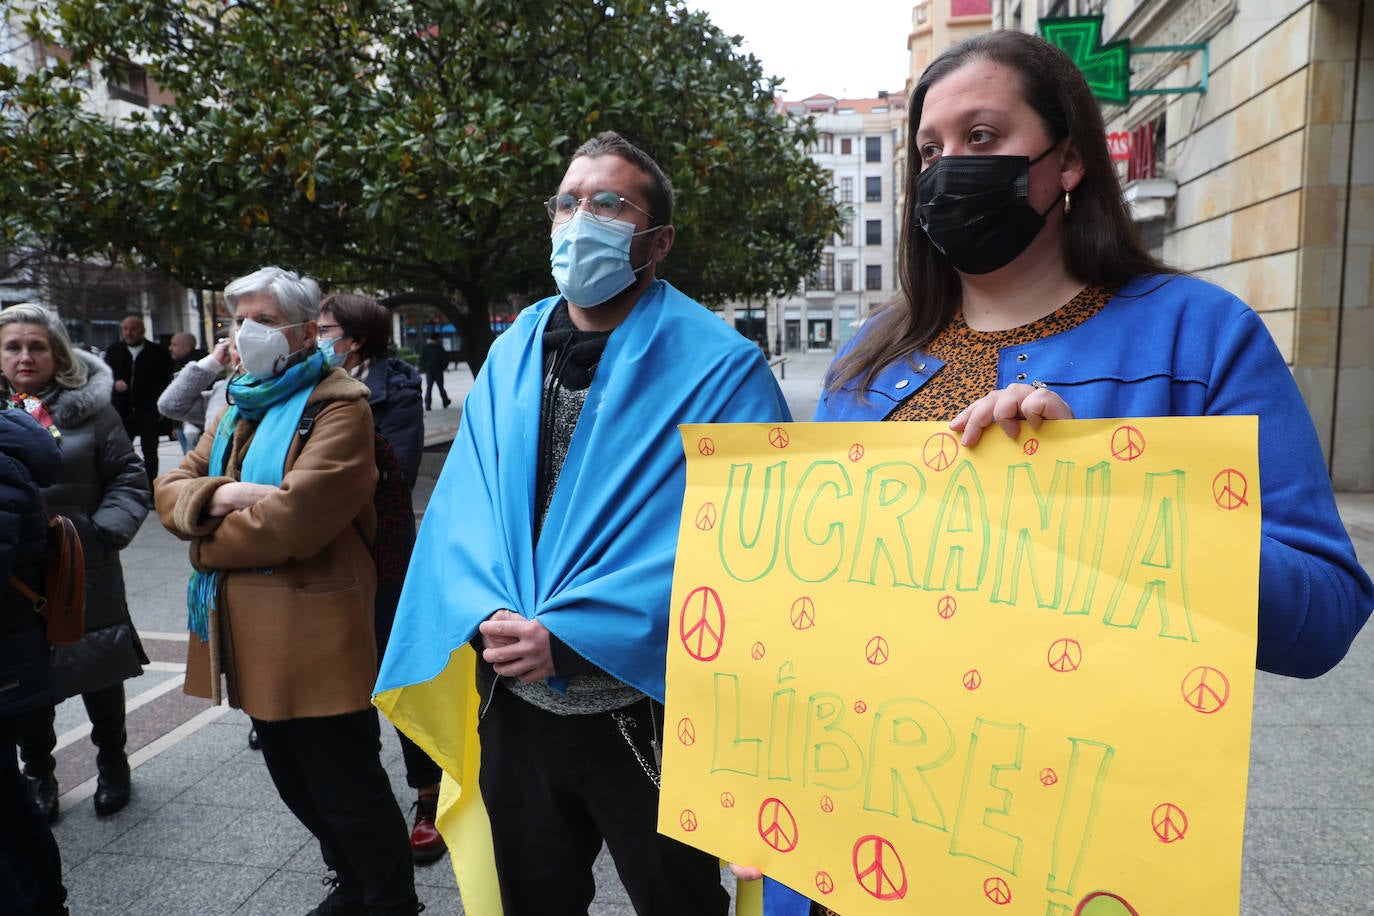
(1177,346)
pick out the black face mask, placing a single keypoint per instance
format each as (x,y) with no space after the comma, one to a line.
(976,211)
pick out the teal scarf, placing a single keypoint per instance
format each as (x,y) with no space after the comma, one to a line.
(276,405)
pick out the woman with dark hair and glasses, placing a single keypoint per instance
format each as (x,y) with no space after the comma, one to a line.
(355,333)
(1027,295)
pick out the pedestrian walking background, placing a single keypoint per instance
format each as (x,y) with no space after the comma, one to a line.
(206,832)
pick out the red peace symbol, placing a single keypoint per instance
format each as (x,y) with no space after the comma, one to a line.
(856,452)
(803,615)
(1229,488)
(827,804)
(1031,447)
(1205,689)
(1169,822)
(973,679)
(824,883)
(940,451)
(688,820)
(778,438)
(946,607)
(1128,443)
(701,626)
(777,826)
(757,650)
(706,446)
(727,799)
(686,732)
(1122,906)
(1048,777)
(860,707)
(876,651)
(1064,655)
(878,868)
(706,517)
(996,890)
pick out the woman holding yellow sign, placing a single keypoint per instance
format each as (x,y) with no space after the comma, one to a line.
(1027,294)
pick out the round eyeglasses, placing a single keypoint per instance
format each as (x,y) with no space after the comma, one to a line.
(602,205)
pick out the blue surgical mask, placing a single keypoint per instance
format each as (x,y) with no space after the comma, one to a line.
(591,258)
(326,345)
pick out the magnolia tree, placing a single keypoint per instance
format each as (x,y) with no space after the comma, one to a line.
(402,147)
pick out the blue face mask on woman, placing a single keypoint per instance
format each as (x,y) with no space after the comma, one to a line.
(326,345)
(591,258)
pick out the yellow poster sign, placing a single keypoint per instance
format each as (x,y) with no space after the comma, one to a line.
(906,676)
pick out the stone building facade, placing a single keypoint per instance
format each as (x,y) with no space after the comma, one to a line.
(1260,176)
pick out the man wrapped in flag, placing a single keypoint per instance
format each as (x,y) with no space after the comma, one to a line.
(548,547)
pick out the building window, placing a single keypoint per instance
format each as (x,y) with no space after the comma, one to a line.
(873,188)
(922,12)
(873,232)
(847,232)
(129,84)
(825,143)
(846,275)
(824,278)
(873,276)
(846,190)
(846,146)
(873,149)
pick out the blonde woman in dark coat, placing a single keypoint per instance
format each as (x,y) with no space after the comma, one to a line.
(103,488)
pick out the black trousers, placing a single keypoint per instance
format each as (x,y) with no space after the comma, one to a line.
(329,773)
(555,787)
(432,379)
(421,771)
(30,864)
(144,425)
(104,707)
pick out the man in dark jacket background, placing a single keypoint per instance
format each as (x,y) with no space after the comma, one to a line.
(30,864)
(433,363)
(142,368)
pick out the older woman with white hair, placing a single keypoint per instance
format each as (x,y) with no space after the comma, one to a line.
(277,506)
(103,489)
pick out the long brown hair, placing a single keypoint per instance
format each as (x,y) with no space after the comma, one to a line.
(1102,245)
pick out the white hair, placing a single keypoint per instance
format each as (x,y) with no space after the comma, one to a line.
(298,297)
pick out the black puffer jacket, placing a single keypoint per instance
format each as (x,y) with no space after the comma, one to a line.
(104,490)
(29,458)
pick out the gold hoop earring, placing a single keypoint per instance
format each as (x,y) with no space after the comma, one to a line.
(1067,203)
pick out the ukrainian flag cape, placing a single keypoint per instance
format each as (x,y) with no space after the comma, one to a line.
(599,579)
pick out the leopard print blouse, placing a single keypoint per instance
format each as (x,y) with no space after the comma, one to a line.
(970,357)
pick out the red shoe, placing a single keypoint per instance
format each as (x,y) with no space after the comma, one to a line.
(426,845)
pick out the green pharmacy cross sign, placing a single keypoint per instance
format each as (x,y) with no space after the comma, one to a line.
(1105,67)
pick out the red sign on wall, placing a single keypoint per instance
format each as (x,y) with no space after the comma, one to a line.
(1119,145)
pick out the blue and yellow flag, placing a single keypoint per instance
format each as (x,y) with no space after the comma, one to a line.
(602,585)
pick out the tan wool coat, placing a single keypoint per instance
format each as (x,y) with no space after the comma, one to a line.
(293,634)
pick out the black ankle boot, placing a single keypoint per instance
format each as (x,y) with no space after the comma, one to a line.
(44,789)
(112,787)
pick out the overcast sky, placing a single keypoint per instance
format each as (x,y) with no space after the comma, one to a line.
(844,48)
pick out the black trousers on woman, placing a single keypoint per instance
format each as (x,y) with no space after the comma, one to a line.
(106,710)
(328,771)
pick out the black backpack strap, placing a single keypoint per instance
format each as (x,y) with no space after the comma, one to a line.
(312,410)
